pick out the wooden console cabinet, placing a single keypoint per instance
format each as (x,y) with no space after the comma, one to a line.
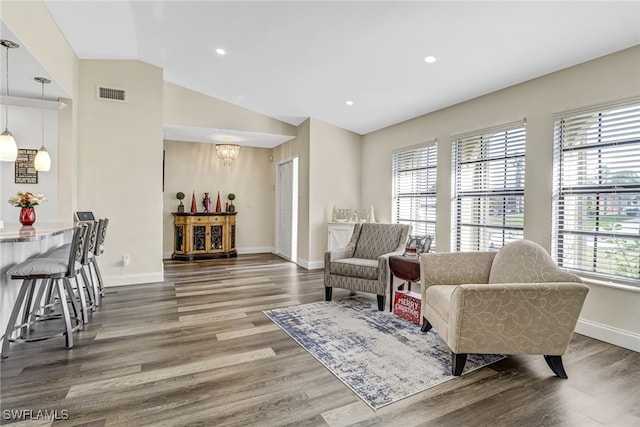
(204,235)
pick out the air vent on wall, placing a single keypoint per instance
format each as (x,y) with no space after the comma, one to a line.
(112,94)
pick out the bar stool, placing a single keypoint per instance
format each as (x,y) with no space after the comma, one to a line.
(87,290)
(56,271)
(99,249)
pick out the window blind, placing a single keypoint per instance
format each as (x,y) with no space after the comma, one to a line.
(596,203)
(414,189)
(488,202)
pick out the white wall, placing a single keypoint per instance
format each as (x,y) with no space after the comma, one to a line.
(608,314)
(25,125)
(120,165)
(195,167)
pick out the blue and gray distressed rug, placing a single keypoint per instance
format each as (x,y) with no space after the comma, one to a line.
(381,357)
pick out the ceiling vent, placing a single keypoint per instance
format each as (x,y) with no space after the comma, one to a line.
(112,94)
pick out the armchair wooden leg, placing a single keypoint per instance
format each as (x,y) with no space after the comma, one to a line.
(328,291)
(380,302)
(426,326)
(457,363)
(555,363)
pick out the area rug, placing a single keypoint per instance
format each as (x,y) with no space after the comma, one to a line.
(381,357)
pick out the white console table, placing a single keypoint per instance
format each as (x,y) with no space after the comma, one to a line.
(339,234)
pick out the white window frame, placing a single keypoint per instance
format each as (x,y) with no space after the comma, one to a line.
(488,168)
(596,199)
(414,200)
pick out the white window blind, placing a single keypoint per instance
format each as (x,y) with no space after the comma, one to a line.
(488,201)
(596,203)
(414,189)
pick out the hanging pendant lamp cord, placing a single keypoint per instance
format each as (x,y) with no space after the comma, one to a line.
(6,90)
(42,121)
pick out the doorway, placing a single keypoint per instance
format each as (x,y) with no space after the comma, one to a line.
(287,209)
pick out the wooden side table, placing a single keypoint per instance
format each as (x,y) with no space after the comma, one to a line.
(403,268)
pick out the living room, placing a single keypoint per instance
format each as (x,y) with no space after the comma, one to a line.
(111,160)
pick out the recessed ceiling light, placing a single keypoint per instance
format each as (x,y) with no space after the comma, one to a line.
(220,51)
(349,103)
(430,59)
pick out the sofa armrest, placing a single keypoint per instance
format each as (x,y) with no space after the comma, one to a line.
(454,268)
(514,318)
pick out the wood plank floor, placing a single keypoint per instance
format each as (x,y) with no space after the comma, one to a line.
(197,350)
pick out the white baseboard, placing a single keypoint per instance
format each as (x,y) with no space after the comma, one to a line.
(133,279)
(619,337)
(256,250)
(310,265)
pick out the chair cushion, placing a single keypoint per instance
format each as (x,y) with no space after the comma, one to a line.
(378,239)
(355,267)
(41,267)
(438,298)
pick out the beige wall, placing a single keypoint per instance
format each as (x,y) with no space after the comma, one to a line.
(31,22)
(188,108)
(120,165)
(603,80)
(334,180)
(194,167)
(607,312)
(251,177)
(303,143)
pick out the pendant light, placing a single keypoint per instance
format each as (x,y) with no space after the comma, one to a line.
(8,146)
(42,162)
(227,152)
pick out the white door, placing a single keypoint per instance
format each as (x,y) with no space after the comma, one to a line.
(287,209)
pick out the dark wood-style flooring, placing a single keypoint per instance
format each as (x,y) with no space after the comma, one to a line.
(197,350)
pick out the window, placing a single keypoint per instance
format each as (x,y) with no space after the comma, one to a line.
(596,203)
(414,189)
(488,201)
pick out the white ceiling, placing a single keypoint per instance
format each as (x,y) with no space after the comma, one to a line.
(298,59)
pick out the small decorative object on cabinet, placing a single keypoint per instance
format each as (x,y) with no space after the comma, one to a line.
(231,197)
(204,235)
(180,196)
(206,202)
(194,206)
(218,205)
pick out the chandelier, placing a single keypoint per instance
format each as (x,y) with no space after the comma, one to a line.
(227,152)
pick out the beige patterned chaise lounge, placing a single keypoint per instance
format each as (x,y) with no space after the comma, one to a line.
(514,301)
(363,265)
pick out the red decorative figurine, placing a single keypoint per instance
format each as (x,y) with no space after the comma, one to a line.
(194,206)
(218,206)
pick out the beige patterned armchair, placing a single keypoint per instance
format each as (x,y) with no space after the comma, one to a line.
(514,301)
(363,265)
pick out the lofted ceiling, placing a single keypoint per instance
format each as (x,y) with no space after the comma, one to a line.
(297,59)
